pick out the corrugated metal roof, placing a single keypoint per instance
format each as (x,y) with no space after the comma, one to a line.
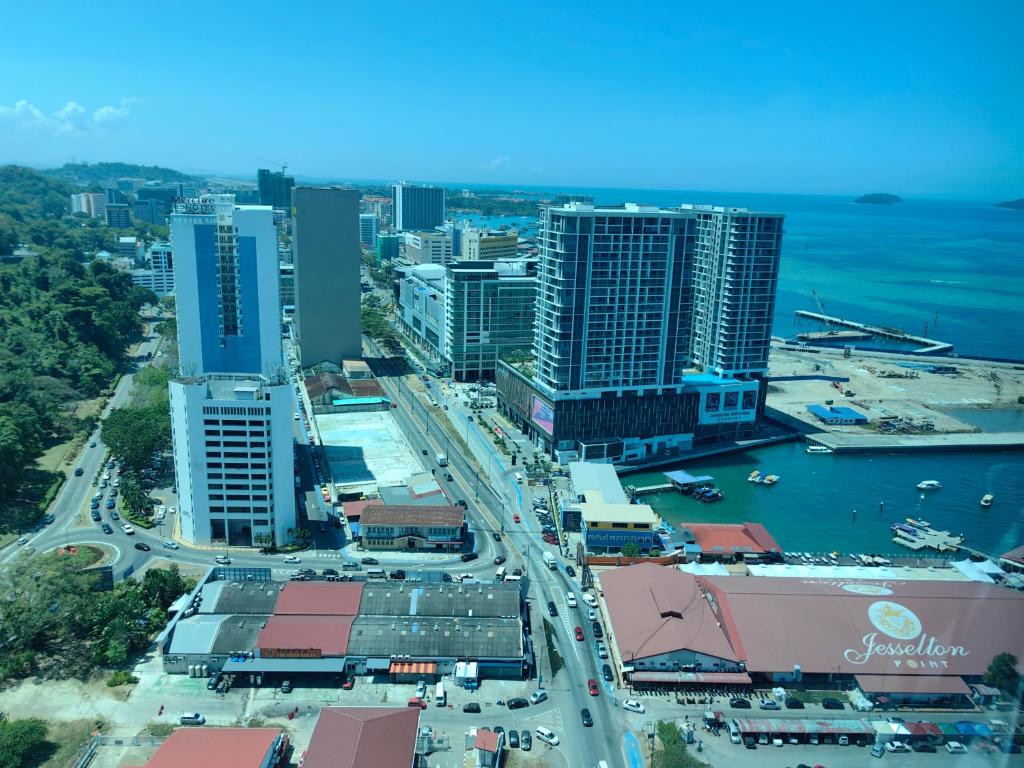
(324,635)
(399,598)
(436,638)
(196,634)
(364,737)
(233,747)
(777,725)
(320,598)
(586,476)
(912,684)
(410,514)
(284,666)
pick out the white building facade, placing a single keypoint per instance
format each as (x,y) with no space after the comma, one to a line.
(159,274)
(427,248)
(368,228)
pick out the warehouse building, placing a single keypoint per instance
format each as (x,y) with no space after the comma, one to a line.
(240,622)
(236,747)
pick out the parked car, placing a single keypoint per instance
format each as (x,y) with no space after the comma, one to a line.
(468,556)
(830,703)
(211,684)
(286,686)
(292,559)
(471,708)
(329,572)
(95,514)
(794,703)
(570,571)
(142,546)
(632,705)
(496,536)
(596,627)
(547,735)
(956,748)
(398,575)
(585,716)
(513,739)
(517,703)
(526,741)
(602,650)
(899,746)
(768,704)
(110,504)
(369,561)
(421,688)
(348,684)
(739,703)
(538,696)
(923,746)
(606,672)
(191,718)
(749,742)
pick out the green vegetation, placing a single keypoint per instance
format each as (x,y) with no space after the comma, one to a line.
(97,173)
(631,549)
(673,753)
(1002,674)
(375,322)
(878,198)
(80,628)
(492,203)
(121,677)
(23,742)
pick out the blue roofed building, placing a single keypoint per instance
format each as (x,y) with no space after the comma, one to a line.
(836,414)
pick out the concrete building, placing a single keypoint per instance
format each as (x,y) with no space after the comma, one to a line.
(388,247)
(421,308)
(368,223)
(417,208)
(487,245)
(615,377)
(427,248)
(489,313)
(597,506)
(119,216)
(327,269)
(153,204)
(131,248)
(158,276)
(232,439)
(382,206)
(235,747)
(287,275)
(227,287)
(275,189)
(413,527)
(92,204)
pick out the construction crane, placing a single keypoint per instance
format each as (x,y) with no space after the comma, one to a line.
(821,309)
(283,166)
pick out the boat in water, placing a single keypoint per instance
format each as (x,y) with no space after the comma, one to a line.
(817,449)
(986,500)
(929,485)
(771,479)
(922,524)
(905,530)
(755,477)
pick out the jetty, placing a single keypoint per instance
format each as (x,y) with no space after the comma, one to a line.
(917,535)
(834,336)
(633,491)
(868,442)
(928,346)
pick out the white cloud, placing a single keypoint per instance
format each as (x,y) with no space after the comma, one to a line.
(71,118)
(496,163)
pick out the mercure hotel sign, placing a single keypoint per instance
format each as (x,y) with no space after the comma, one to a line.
(901,636)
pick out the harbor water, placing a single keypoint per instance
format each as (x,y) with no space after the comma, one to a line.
(826,502)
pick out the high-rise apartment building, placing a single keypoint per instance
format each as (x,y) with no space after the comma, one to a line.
(427,248)
(158,276)
(153,203)
(417,208)
(652,329)
(327,269)
(368,229)
(132,249)
(487,245)
(275,188)
(226,283)
(232,438)
(92,204)
(118,216)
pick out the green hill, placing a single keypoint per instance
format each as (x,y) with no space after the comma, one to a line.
(96,173)
(878,198)
(1016,205)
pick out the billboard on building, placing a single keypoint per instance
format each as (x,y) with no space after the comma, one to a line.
(542,415)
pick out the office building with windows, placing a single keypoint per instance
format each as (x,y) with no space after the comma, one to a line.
(427,248)
(327,274)
(487,245)
(118,216)
(417,208)
(275,188)
(158,276)
(232,438)
(153,204)
(616,374)
(421,309)
(368,229)
(389,247)
(92,204)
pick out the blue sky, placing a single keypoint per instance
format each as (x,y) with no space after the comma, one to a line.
(917,98)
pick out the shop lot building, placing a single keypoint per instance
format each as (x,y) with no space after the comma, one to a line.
(239,622)
(411,527)
(918,642)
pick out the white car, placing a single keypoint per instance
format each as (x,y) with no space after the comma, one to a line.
(173,510)
(602,650)
(171,544)
(127,529)
(590,600)
(632,705)
(592,614)
(956,748)
(538,696)
(546,735)
(899,746)
(292,559)
(421,689)
(222,559)
(162,509)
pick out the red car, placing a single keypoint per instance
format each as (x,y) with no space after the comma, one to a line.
(592,687)
(516,517)
(347,685)
(579,634)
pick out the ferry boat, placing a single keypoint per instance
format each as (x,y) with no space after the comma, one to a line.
(986,500)
(817,449)
(929,485)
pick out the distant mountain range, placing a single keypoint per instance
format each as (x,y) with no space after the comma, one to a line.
(1016,205)
(879,198)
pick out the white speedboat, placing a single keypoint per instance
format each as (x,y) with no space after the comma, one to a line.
(929,485)
(986,500)
(817,449)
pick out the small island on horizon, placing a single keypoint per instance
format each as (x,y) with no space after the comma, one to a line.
(878,198)
(1014,205)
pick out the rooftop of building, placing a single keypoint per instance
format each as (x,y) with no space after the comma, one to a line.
(729,538)
(436,637)
(421,490)
(325,635)
(642,209)
(587,476)
(413,515)
(596,510)
(366,450)
(419,600)
(257,597)
(486,740)
(323,598)
(1014,555)
(226,747)
(364,737)
(354,509)
(325,382)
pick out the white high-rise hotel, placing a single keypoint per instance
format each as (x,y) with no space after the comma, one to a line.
(231,405)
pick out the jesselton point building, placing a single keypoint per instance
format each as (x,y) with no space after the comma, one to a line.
(238,621)
(652,330)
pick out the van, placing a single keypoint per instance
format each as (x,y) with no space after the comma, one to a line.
(570,599)
(499,574)
(518,477)
(376,573)
(440,697)
(351,567)
(546,735)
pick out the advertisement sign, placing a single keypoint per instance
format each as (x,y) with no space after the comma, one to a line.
(907,644)
(543,416)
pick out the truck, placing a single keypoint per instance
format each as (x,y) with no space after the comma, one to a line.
(442,460)
(549,561)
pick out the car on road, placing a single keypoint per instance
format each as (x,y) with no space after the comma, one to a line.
(547,735)
(596,627)
(517,572)
(526,741)
(552,610)
(632,705)
(467,556)
(170,544)
(830,703)
(48,518)
(96,515)
(499,560)
(398,575)
(794,703)
(768,704)
(739,703)
(92,444)
(329,572)
(585,716)
(127,529)
(461,503)
(602,650)
(109,504)
(955,748)
(222,560)
(513,739)
(496,536)
(421,688)
(143,546)
(516,518)
(517,703)
(471,708)
(211,684)
(570,571)
(579,634)
(448,477)
(292,559)
(538,696)
(370,561)
(899,746)
(79,471)
(94,504)
(348,684)
(106,528)
(606,673)
(424,451)
(592,687)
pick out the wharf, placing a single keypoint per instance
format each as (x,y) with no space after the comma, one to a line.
(842,442)
(928,346)
(834,336)
(929,538)
(634,491)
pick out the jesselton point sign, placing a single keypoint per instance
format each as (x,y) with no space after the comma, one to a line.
(902,638)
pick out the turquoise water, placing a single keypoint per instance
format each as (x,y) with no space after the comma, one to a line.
(812,506)
(994,420)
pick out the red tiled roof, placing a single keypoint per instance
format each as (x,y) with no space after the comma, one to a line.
(325,635)
(410,514)
(728,538)
(912,684)
(354,509)
(222,747)
(486,739)
(1014,555)
(364,737)
(657,610)
(319,598)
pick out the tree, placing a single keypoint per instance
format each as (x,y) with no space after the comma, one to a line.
(631,549)
(22,742)
(1002,674)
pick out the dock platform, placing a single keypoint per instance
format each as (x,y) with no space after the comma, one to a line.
(928,346)
(841,442)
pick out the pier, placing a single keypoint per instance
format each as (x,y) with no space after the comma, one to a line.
(928,346)
(867,442)
(634,491)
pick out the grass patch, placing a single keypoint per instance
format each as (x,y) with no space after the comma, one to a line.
(67,739)
(158,730)
(553,655)
(38,488)
(121,677)
(673,752)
